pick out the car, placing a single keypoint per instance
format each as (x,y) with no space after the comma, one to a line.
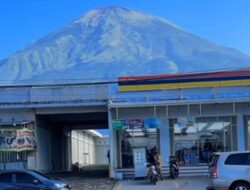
(229,171)
(29,180)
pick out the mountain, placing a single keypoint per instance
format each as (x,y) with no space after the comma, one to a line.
(114,41)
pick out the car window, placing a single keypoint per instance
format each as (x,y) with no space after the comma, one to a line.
(24,178)
(238,159)
(41,175)
(6,177)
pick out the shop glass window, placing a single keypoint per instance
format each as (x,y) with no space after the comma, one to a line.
(195,141)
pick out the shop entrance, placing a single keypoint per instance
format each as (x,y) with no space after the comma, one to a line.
(195,139)
(130,139)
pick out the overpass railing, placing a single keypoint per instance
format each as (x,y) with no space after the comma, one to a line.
(58,94)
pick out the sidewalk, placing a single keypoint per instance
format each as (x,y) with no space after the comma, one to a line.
(181,183)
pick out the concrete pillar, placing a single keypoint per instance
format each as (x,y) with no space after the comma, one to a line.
(112,146)
(241,133)
(43,153)
(164,141)
(67,148)
(71,144)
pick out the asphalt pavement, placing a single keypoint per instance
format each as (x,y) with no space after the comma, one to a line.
(181,183)
(79,183)
(88,178)
(97,180)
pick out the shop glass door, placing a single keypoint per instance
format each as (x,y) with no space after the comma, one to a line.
(136,134)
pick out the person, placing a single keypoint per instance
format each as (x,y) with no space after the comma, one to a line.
(154,158)
(207,145)
(207,150)
(158,165)
(108,156)
(218,147)
(150,156)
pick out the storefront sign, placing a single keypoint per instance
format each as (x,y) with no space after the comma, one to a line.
(120,124)
(136,124)
(184,122)
(152,123)
(117,124)
(17,139)
(181,122)
(128,124)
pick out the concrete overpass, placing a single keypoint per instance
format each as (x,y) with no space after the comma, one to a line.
(55,111)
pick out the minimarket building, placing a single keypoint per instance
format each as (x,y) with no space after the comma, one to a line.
(186,115)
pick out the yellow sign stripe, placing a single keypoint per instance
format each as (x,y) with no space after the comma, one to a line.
(184,85)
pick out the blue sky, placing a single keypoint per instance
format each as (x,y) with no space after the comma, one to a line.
(226,22)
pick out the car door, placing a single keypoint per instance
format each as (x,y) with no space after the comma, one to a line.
(25,181)
(6,181)
(236,167)
(247,170)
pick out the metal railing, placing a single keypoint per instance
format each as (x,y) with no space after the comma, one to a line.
(62,94)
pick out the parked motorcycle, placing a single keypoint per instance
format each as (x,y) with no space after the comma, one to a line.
(173,167)
(152,174)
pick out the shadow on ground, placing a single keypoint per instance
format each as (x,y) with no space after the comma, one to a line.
(87,178)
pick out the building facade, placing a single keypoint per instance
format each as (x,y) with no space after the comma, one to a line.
(187,115)
(193,116)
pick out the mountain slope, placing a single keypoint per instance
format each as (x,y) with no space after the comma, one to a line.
(111,42)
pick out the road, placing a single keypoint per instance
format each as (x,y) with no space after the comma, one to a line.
(182,183)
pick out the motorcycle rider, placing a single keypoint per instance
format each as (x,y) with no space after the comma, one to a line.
(154,158)
(173,167)
(158,165)
(152,172)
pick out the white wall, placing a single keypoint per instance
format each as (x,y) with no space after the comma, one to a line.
(101,149)
(83,147)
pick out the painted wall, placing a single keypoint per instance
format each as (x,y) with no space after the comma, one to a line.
(174,111)
(16,115)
